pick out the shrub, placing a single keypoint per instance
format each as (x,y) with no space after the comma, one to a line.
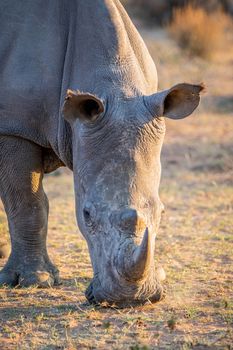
(197,31)
(160,11)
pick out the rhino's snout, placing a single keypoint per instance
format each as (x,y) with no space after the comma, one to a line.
(122,254)
(127,276)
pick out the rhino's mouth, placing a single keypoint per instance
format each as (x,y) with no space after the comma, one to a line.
(151,291)
(158,295)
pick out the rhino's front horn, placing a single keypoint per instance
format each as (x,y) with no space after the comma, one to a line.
(135,262)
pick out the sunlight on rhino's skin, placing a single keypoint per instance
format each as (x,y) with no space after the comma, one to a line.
(35,181)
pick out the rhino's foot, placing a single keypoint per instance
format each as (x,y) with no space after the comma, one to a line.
(41,275)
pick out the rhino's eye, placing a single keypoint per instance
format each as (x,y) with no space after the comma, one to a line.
(86,214)
(89,214)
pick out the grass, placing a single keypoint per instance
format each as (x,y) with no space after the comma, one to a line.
(194,244)
(199,32)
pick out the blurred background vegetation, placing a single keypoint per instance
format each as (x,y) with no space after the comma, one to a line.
(199,26)
(161,10)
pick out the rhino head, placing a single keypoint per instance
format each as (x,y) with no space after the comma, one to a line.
(116,163)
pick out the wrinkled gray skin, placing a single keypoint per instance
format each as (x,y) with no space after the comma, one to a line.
(110,134)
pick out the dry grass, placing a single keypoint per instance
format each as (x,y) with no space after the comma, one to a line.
(194,245)
(199,32)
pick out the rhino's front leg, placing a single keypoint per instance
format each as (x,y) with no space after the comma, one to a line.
(26,205)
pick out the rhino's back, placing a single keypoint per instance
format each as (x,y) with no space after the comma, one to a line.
(32,50)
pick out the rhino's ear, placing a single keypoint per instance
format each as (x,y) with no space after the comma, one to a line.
(82,105)
(176,103)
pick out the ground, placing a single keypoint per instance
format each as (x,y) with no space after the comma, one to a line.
(194,244)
